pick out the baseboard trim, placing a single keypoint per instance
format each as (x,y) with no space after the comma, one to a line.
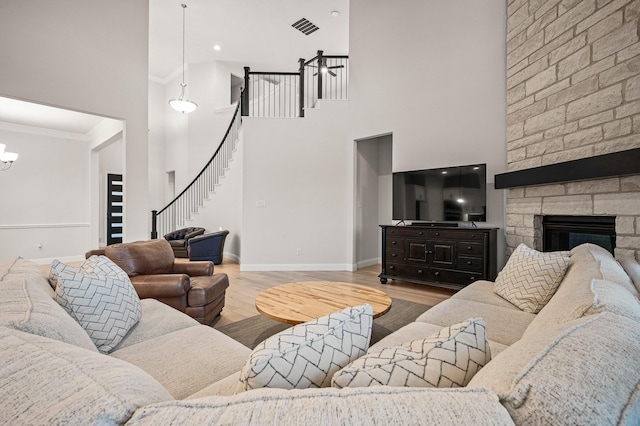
(368,262)
(63,259)
(231,256)
(295,267)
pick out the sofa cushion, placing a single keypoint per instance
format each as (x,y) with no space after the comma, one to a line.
(482,291)
(28,305)
(331,406)
(103,301)
(610,297)
(187,360)
(577,296)
(308,354)
(23,268)
(632,268)
(609,267)
(584,371)
(142,257)
(447,359)
(530,278)
(504,325)
(44,381)
(157,319)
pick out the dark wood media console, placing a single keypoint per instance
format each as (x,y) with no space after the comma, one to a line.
(438,256)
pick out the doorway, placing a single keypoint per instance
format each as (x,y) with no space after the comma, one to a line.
(236,88)
(114,208)
(373,196)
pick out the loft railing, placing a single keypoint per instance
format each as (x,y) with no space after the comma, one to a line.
(174,215)
(287,94)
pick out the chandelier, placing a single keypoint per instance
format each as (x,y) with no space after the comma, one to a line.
(6,158)
(182,104)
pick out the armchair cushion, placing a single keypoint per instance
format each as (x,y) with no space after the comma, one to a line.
(142,257)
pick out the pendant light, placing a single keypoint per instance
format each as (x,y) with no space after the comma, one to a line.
(182,104)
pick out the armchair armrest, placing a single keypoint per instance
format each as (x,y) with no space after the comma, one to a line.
(161,286)
(194,269)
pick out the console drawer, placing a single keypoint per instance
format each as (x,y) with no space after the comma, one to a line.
(394,255)
(468,248)
(408,271)
(449,276)
(471,264)
(395,243)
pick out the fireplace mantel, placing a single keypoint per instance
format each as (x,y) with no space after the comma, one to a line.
(620,163)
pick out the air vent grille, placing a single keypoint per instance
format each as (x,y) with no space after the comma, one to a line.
(305,26)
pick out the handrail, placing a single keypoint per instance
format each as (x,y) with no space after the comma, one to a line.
(197,180)
(272,94)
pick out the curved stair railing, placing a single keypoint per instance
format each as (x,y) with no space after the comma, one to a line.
(174,215)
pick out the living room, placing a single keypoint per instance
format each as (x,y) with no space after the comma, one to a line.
(332,208)
(514,85)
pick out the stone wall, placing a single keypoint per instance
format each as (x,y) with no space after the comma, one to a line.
(573,91)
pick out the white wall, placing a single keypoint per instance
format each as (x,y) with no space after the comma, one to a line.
(433,74)
(89,56)
(224,208)
(299,168)
(385,182)
(191,139)
(157,173)
(45,197)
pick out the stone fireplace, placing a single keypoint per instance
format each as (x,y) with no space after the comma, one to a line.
(573,93)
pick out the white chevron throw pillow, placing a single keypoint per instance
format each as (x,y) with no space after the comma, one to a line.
(530,278)
(307,355)
(100,296)
(447,359)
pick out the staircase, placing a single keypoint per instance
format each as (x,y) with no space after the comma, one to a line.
(175,214)
(265,94)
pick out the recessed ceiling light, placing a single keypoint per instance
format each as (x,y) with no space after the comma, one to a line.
(216,48)
(335,13)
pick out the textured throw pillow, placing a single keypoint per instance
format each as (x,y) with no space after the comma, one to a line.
(530,278)
(447,359)
(308,354)
(103,301)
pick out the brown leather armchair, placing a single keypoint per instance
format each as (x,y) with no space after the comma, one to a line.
(191,287)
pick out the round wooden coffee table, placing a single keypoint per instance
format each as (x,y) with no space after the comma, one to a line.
(295,303)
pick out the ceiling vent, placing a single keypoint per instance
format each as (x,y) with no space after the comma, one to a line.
(305,26)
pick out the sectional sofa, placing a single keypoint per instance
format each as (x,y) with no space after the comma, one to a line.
(574,362)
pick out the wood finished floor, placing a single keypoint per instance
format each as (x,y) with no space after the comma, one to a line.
(245,286)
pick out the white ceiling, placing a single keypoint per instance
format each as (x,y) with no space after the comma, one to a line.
(256,33)
(13,111)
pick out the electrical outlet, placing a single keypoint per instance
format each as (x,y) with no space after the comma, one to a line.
(298,251)
(261,203)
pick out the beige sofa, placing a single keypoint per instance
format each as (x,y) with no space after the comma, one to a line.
(575,362)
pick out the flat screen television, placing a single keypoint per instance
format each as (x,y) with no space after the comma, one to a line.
(449,194)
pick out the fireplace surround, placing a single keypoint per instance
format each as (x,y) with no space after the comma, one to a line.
(564,232)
